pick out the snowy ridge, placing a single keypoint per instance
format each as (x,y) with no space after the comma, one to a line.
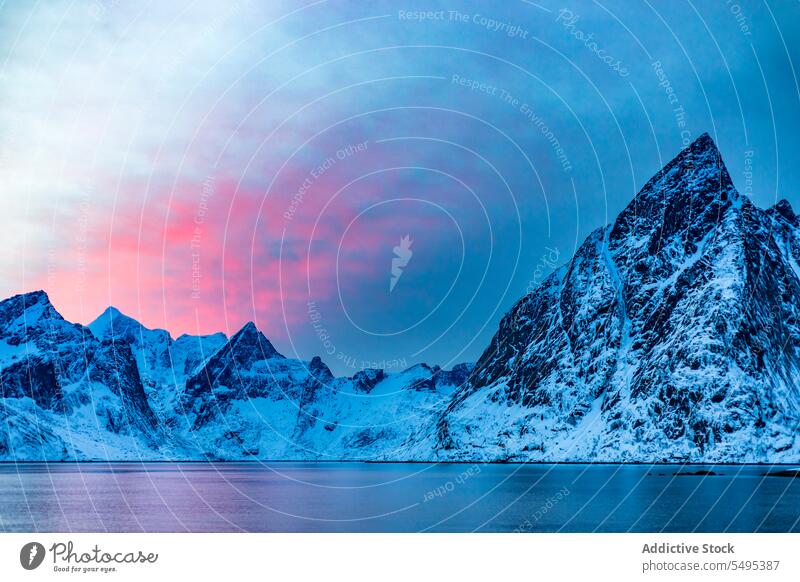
(673,334)
(117,390)
(680,338)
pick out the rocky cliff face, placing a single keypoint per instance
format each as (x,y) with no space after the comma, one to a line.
(66,392)
(117,390)
(672,334)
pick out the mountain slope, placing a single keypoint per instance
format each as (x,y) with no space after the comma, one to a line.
(671,335)
(115,390)
(66,394)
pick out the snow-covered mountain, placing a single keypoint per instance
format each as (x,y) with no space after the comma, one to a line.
(672,334)
(65,393)
(117,390)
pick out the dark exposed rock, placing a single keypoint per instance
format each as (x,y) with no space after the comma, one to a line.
(672,335)
(677,324)
(365,380)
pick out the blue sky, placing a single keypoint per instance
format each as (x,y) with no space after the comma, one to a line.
(202,165)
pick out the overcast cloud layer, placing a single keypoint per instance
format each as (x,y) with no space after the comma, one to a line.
(202,165)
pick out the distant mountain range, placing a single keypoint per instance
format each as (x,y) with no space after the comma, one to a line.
(671,335)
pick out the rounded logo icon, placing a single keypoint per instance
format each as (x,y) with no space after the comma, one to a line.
(31,555)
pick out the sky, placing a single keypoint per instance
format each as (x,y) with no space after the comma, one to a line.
(375,183)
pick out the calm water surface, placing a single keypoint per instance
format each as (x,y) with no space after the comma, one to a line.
(392,497)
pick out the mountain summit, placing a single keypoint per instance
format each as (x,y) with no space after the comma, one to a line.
(673,334)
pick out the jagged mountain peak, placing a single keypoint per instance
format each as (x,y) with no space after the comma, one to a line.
(113,323)
(110,318)
(248,327)
(23,301)
(670,335)
(29,315)
(250,337)
(701,152)
(319,369)
(111,311)
(31,297)
(704,142)
(678,207)
(698,167)
(784,209)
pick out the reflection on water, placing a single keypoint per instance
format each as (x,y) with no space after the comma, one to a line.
(393,497)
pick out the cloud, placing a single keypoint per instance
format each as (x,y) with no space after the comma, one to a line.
(198,164)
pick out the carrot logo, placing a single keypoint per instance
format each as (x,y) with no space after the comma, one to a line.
(400,260)
(31,555)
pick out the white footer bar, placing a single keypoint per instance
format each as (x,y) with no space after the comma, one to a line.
(408,557)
